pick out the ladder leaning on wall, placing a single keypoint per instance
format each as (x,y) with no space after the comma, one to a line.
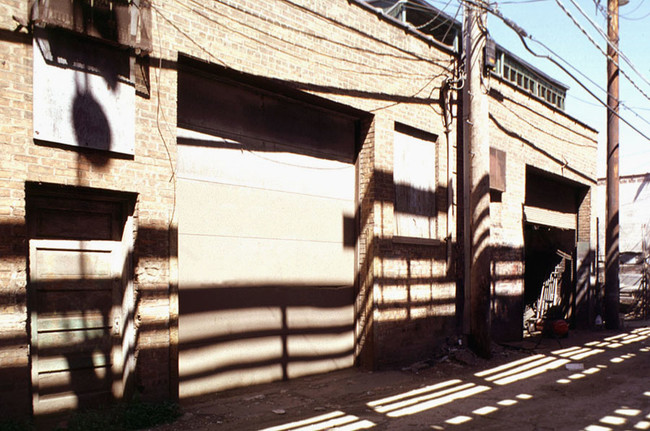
(550,295)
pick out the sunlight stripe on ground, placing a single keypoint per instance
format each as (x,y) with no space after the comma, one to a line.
(615,337)
(458,420)
(520,369)
(597,428)
(405,402)
(533,372)
(413,393)
(574,352)
(508,365)
(418,406)
(583,355)
(335,420)
(485,410)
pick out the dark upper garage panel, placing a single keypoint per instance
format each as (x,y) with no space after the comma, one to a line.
(552,200)
(264,116)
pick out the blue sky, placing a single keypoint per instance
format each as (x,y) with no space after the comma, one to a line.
(546,22)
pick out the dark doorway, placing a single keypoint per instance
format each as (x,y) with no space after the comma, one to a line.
(545,247)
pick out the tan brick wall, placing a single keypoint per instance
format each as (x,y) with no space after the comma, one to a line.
(333,49)
(531,133)
(341,51)
(148,173)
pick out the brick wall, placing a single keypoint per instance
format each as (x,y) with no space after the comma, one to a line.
(147,173)
(337,50)
(535,134)
(406,302)
(341,51)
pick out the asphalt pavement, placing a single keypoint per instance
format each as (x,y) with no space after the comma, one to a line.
(592,380)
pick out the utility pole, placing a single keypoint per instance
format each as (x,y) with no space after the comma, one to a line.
(476,181)
(612,284)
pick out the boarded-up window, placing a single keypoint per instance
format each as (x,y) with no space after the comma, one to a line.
(83,93)
(415,183)
(497,170)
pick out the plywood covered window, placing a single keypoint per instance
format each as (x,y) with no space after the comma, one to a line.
(414,176)
(83,93)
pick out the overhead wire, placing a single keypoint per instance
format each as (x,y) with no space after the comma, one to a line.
(160,112)
(378,70)
(452,22)
(639,4)
(354,29)
(584,87)
(627,14)
(546,132)
(609,42)
(419,27)
(621,104)
(594,83)
(639,18)
(593,42)
(523,35)
(393,73)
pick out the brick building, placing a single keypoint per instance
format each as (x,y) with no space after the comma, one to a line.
(198,196)
(543,208)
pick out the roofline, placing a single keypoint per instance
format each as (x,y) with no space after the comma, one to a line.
(459,25)
(406,26)
(627,178)
(533,68)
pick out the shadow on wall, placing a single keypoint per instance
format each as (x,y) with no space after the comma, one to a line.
(234,333)
(82,91)
(80,357)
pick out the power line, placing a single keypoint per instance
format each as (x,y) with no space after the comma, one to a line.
(609,42)
(628,13)
(520,1)
(378,70)
(408,6)
(546,132)
(523,35)
(452,23)
(621,104)
(638,18)
(575,22)
(598,86)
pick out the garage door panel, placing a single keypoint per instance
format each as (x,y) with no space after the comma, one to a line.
(258,213)
(239,335)
(259,311)
(279,170)
(208,260)
(267,231)
(208,104)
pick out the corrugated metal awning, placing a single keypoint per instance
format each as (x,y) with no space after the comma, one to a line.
(552,218)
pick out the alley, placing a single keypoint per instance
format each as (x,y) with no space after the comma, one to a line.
(594,381)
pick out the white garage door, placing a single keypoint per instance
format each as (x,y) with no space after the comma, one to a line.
(266,255)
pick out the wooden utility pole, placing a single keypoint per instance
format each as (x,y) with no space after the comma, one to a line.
(612,284)
(476,161)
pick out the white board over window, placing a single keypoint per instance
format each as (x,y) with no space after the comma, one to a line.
(415,185)
(83,95)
